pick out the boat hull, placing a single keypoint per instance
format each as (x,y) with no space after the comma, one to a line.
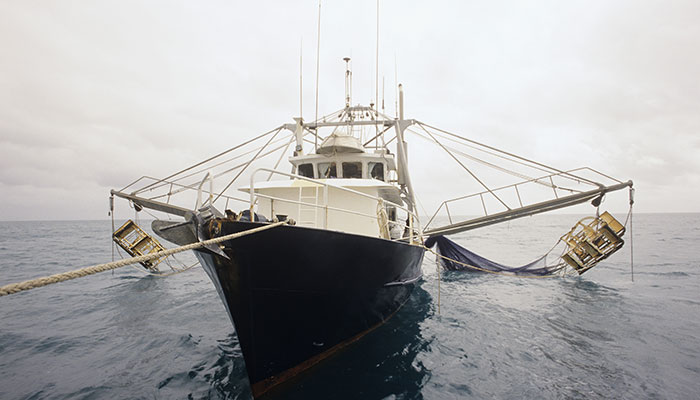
(297,295)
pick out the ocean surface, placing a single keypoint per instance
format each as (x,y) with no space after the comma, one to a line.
(129,335)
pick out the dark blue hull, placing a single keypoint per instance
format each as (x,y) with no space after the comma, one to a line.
(296,295)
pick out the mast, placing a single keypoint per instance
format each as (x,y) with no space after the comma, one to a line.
(348,82)
(404,176)
(318,63)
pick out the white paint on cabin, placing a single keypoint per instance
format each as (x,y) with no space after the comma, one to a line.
(347,212)
(341,161)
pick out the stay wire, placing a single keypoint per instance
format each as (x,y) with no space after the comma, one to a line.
(276,130)
(246,166)
(506,153)
(166,183)
(499,168)
(467,169)
(193,186)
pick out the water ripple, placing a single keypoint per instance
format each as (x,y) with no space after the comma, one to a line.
(126,335)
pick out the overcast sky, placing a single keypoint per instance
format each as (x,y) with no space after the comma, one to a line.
(94,94)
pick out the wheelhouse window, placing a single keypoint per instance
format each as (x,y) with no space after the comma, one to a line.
(327,170)
(352,170)
(306,170)
(376,170)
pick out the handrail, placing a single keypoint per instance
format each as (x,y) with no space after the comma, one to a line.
(199,202)
(515,185)
(182,188)
(412,216)
(528,210)
(315,205)
(316,181)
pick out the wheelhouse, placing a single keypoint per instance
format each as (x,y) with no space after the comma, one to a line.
(349,166)
(343,156)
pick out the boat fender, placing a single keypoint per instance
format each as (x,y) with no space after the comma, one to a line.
(245,216)
(596,201)
(231,216)
(214,227)
(430,242)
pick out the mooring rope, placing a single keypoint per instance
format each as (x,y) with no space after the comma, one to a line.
(79,273)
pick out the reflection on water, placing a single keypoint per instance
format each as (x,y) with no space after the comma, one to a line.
(383,363)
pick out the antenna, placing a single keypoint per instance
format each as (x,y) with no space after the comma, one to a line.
(376,81)
(301,82)
(376,70)
(396,88)
(348,82)
(318,52)
(400,102)
(383,109)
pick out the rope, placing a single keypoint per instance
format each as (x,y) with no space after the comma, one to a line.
(437,268)
(79,273)
(629,216)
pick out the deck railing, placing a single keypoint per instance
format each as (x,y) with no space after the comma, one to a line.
(412,218)
(546,180)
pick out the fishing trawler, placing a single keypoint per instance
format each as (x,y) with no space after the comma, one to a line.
(344,247)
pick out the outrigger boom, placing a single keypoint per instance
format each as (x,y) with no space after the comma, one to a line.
(152,204)
(525,211)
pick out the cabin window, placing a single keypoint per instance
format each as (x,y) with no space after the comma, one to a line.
(327,170)
(306,170)
(352,170)
(376,170)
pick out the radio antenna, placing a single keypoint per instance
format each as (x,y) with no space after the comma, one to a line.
(301,81)
(396,88)
(348,82)
(383,109)
(376,81)
(376,70)
(318,52)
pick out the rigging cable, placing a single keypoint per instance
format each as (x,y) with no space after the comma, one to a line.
(467,169)
(163,182)
(282,156)
(437,268)
(629,216)
(111,213)
(205,169)
(491,153)
(246,166)
(208,159)
(505,152)
(499,168)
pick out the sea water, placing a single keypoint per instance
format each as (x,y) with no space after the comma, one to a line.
(124,334)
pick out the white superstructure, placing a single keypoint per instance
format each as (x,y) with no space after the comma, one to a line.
(347,188)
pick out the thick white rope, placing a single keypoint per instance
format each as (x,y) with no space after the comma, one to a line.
(78,273)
